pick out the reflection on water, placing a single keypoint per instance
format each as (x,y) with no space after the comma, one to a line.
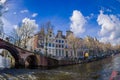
(6,59)
(98,70)
(4,62)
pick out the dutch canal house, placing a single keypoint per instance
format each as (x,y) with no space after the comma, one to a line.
(60,43)
(52,45)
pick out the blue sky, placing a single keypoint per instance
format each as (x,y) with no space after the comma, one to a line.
(60,13)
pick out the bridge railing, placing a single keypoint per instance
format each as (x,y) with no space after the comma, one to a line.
(13,41)
(8,38)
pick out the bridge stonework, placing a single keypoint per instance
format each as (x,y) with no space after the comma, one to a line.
(26,58)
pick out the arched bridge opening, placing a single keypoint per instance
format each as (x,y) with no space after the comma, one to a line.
(13,51)
(31,61)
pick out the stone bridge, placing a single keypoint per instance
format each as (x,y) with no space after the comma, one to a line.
(24,58)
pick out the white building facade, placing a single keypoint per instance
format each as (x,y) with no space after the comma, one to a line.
(60,45)
(53,45)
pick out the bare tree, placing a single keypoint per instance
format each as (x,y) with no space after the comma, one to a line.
(44,33)
(27,29)
(1,28)
(73,43)
(2,11)
(16,36)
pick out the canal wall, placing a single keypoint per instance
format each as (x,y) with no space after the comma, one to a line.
(46,61)
(43,61)
(50,62)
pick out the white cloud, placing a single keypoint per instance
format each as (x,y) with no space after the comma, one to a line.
(15,26)
(31,22)
(110,28)
(34,14)
(3,9)
(8,27)
(2,2)
(90,16)
(6,9)
(77,22)
(24,11)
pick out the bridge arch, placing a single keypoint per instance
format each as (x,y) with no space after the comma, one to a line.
(13,51)
(31,61)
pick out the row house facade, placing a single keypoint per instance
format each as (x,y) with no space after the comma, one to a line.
(51,44)
(60,42)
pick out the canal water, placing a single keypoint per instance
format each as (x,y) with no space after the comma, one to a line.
(98,70)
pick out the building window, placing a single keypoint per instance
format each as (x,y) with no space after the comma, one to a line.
(52,51)
(62,41)
(56,52)
(49,44)
(66,54)
(56,40)
(59,46)
(56,45)
(59,52)
(53,45)
(62,46)
(62,52)
(59,41)
(50,35)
